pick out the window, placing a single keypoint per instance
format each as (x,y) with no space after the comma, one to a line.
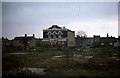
(54,36)
(49,33)
(54,32)
(59,32)
(49,36)
(110,43)
(59,36)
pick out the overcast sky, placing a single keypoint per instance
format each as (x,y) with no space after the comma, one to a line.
(95,18)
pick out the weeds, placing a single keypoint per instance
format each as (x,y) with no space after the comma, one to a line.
(100,62)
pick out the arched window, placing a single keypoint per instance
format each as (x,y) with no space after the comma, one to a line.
(54,32)
(60,32)
(49,33)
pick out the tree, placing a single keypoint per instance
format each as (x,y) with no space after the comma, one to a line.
(81,33)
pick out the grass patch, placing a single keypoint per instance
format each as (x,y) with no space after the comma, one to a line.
(102,62)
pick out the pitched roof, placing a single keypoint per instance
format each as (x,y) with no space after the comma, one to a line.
(22,38)
(56,27)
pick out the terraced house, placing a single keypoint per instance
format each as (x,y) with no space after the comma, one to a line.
(96,41)
(58,36)
(25,42)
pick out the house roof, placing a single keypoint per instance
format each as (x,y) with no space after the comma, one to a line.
(4,38)
(22,38)
(56,27)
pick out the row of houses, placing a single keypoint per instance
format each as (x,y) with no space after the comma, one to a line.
(57,36)
(96,40)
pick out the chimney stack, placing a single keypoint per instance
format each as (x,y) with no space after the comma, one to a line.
(63,27)
(25,35)
(33,35)
(107,35)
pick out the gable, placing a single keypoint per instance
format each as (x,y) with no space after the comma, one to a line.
(55,27)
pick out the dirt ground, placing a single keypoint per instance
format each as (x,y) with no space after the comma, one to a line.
(100,61)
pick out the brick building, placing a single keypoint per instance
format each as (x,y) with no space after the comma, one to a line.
(58,36)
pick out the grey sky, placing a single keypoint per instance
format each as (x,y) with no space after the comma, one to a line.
(97,18)
(0,19)
(119,18)
(60,0)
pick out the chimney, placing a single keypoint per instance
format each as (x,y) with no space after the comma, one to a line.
(63,27)
(33,35)
(107,35)
(25,35)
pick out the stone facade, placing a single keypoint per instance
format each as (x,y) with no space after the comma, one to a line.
(58,36)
